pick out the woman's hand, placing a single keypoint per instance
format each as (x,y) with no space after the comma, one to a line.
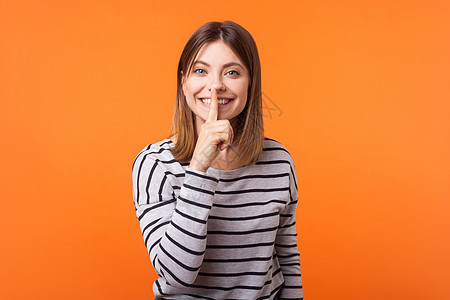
(214,136)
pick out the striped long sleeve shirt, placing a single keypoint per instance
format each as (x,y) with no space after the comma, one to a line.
(219,234)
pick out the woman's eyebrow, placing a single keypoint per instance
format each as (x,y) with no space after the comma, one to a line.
(225,65)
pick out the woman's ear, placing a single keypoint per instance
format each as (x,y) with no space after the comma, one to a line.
(182,81)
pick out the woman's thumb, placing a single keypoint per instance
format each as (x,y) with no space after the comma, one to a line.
(223,146)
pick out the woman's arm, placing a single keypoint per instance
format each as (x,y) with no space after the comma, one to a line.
(286,245)
(174,229)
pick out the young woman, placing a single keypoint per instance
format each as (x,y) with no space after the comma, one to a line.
(216,202)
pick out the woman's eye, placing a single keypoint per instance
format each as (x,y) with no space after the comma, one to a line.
(195,71)
(200,71)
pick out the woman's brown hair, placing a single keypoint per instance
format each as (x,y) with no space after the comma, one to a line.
(248,126)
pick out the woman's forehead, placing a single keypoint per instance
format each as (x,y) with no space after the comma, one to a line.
(212,52)
(221,46)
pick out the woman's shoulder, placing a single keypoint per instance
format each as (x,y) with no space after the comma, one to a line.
(274,149)
(158,151)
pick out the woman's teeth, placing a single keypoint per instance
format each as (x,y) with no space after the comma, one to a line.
(221,101)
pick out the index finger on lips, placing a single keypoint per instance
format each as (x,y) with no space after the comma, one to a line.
(213,106)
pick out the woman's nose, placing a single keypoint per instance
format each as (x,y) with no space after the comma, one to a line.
(217,83)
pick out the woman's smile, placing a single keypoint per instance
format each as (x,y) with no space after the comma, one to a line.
(223,103)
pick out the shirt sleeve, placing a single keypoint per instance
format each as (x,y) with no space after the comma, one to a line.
(286,244)
(174,228)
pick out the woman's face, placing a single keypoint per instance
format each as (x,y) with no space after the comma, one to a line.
(216,66)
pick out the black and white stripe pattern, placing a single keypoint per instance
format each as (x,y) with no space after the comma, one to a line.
(219,234)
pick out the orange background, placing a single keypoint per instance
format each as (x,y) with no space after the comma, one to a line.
(364,90)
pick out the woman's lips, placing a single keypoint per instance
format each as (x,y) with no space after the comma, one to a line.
(220,105)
